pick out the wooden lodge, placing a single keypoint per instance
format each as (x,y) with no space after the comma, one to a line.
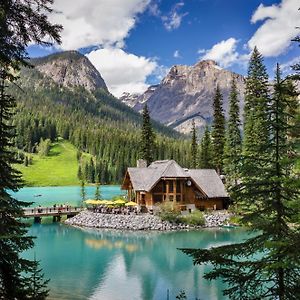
(166,181)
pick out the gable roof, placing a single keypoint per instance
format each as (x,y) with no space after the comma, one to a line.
(144,179)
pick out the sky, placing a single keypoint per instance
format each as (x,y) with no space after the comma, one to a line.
(133,43)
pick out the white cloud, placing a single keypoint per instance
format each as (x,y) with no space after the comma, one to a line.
(173,19)
(224,53)
(286,67)
(123,72)
(176,54)
(96,22)
(274,36)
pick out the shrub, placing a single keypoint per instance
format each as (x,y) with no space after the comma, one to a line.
(168,213)
(195,218)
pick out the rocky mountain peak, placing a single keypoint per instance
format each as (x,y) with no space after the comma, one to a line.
(70,69)
(187,93)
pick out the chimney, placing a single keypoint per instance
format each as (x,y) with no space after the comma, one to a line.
(141,163)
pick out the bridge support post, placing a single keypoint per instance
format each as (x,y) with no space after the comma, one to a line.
(37,220)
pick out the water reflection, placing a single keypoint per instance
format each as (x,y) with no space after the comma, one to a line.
(107,264)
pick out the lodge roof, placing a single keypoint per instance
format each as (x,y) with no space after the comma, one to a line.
(144,179)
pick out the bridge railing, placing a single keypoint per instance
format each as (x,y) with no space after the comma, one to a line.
(51,210)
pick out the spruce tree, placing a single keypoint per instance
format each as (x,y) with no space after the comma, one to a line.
(147,143)
(218,131)
(233,140)
(97,192)
(266,266)
(21,22)
(205,158)
(194,146)
(82,191)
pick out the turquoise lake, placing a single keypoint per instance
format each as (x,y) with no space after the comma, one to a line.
(121,265)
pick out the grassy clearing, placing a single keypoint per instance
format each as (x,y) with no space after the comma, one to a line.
(58,169)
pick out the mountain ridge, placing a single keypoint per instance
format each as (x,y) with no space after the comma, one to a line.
(186,93)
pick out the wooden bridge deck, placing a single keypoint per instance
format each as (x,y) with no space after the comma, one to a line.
(51,211)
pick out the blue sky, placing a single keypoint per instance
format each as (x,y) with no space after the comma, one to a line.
(133,43)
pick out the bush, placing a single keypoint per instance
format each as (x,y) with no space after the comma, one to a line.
(169,213)
(196,218)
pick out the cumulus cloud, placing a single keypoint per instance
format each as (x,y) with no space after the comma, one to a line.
(173,19)
(274,36)
(224,53)
(123,72)
(96,22)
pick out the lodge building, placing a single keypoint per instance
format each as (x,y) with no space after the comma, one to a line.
(165,180)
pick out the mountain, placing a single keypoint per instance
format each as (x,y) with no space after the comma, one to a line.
(70,69)
(186,93)
(64,97)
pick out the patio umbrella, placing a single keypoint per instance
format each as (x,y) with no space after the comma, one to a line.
(119,201)
(131,203)
(89,201)
(110,203)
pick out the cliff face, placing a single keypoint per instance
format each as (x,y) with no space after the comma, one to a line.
(187,93)
(70,69)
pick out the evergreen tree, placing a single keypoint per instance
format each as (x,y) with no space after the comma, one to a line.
(233,141)
(256,113)
(82,191)
(266,266)
(205,159)
(79,173)
(147,138)
(97,192)
(218,131)
(21,22)
(194,146)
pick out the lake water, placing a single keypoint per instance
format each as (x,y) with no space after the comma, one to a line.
(47,196)
(121,265)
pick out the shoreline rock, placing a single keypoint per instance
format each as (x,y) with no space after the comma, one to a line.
(139,222)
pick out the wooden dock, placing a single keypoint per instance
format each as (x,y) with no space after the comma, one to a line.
(56,212)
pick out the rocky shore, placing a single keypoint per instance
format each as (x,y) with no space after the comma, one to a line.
(139,222)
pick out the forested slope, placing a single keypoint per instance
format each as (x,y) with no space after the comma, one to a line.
(93,121)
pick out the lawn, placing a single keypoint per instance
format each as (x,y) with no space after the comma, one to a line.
(58,169)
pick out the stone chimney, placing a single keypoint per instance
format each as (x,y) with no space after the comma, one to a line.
(141,163)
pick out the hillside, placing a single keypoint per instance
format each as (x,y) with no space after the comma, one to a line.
(59,168)
(186,93)
(93,121)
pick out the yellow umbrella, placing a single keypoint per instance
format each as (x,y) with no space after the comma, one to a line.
(110,203)
(89,201)
(119,201)
(131,203)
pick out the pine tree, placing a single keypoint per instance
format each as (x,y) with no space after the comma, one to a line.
(218,131)
(194,146)
(82,191)
(21,22)
(233,140)
(97,192)
(266,266)
(79,173)
(205,158)
(147,138)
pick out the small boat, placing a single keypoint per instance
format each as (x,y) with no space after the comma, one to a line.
(38,195)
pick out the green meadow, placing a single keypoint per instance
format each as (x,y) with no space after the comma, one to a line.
(59,168)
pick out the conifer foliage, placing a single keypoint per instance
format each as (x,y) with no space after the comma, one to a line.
(21,22)
(266,266)
(147,138)
(218,131)
(194,146)
(233,139)
(205,158)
